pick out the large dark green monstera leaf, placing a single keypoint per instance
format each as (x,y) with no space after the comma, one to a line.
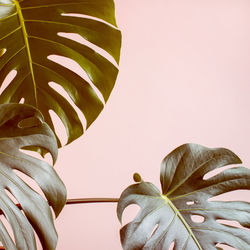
(22,126)
(30,33)
(168,217)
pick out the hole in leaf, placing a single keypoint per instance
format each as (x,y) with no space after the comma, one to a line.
(64,93)
(225,247)
(59,127)
(216,171)
(154,229)
(232,223)
(236,195)
(8,227)
(12,74)
(197,218)
(38,152)
(130,213)
(78,38)
(88,17)
(30,182)
(189,203)
(2,51)
(75,67)
(29,122)
(48,158)
(22,101)
(11,196)
(70,64)
(31,153)
(38,242)
(14,200)
(172,246)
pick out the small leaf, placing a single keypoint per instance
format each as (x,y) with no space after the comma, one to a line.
(137,177)
(37,213)
(170,216)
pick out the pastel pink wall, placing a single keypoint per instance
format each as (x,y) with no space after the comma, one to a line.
(184,77)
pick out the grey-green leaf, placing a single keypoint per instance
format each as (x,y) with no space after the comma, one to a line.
(22,126)
(167,217)
(30,33)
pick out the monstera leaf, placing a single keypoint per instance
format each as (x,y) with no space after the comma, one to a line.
(33,30)
(22,126)
(169,217)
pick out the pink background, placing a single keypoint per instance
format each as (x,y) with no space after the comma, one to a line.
(184,77)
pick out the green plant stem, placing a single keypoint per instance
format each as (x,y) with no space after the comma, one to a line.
(90,200)
(85,200)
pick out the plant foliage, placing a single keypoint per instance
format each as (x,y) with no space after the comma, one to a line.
(33,30)
(33,35)
(167,217)
(22,126)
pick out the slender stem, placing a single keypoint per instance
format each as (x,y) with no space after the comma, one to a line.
(85,200)
(90,200)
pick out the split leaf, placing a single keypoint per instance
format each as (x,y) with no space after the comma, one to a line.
(183,213)
(33,32)
(22,126)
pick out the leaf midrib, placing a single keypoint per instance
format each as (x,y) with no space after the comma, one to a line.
(26,41)
(179,215)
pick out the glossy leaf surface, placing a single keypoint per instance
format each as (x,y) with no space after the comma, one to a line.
(31,31)
(22,126)
(169,216)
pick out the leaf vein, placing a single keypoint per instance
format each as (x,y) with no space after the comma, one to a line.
(26,41)
(185,179)
(7,17)
(54,5)
(12,56)
(199,190)
(13,31)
